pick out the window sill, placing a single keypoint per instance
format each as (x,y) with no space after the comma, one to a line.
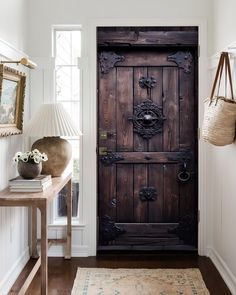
(62,223)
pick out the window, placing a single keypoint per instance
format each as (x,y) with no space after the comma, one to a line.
(67,45)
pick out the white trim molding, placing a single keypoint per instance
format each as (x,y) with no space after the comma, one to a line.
(76,251)
(79,249)
(89,160)
(223,269)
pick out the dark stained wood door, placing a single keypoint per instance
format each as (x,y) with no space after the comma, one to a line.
(147,148)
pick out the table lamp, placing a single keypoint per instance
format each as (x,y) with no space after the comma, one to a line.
(52,121)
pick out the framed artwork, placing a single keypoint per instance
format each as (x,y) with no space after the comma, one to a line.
(12,94)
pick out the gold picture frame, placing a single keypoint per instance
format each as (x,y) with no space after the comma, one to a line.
(12,95)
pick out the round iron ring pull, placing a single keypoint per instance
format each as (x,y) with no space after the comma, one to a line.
(184,176)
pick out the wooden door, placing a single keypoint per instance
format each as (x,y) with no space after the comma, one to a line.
(147,148)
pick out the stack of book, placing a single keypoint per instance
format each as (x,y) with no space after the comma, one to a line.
(37,184)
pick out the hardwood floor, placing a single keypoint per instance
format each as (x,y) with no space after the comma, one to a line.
(62,272)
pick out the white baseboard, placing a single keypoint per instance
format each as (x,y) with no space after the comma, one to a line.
(223,269)
(14,272)
(77,251)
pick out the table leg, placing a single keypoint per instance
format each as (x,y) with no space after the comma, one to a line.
(44,249)
(34,252)
(69,216)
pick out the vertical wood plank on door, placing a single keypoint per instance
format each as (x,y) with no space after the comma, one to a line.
(140,181)
(125,193)
(107,191)
(186,189)
(140,95)
(156,180)
(187,140)
(124,90)
(171,109)
(107,108)
(155,143)
(171,193)
(107,122)
(187,116)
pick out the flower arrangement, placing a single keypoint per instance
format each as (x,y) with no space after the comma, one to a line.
(34,157)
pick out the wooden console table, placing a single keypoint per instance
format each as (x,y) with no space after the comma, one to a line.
(41,201)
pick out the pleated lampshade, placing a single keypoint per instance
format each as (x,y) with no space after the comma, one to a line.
(52,121)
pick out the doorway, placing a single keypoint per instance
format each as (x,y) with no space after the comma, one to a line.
(147,138)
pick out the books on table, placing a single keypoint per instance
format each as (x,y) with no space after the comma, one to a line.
(38,184)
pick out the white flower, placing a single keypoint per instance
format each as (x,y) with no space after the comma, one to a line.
(44,157)
(30,156)
(15,159)
(36,152)
(18,155)
(37,159)
(24,157)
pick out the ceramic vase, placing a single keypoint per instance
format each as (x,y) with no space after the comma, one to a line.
(29,170)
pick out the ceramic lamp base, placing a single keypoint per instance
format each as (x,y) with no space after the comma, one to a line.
(59,153)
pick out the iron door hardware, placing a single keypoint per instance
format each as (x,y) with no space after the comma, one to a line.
(110,158)
(147,119)
(103,135)
(184,175)
(147,82)
(148,193)
(102,151)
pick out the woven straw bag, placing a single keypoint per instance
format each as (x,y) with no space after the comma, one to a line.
(220,112)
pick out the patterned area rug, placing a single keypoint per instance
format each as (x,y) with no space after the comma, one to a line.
(122,281)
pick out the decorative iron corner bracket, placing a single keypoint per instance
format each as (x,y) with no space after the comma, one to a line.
(108,59)
(109,230)
(183,59)
(185,229)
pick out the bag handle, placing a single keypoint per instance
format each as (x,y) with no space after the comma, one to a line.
(223,61)
(229,75)
(218,72)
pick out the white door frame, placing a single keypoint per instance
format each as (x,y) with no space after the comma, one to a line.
(89,169)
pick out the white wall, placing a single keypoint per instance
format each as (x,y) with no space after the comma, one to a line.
(13,221)
(223,24)
(221,168)
(42,16)
(13,22)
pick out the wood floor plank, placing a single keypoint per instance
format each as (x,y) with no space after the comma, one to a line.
(62,272)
